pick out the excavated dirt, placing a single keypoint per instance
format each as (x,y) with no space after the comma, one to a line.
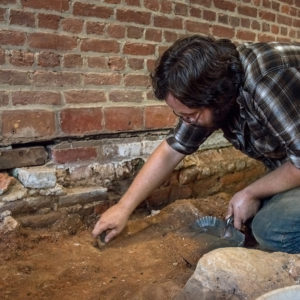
(152,259)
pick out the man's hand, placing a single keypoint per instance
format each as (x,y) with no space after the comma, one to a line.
(242,207)
(112,221)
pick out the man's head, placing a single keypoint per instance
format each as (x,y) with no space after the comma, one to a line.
(200,72)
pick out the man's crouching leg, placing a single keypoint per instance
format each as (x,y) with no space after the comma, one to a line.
(276,226)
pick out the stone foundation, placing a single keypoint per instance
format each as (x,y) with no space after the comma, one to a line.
(40,195)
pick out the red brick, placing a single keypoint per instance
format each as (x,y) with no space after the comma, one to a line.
(255,25)
(170,36)
(91,10)
(116,63)
(150,95)
(135,32)
(284,20)
(72,25)
(206,3)
(3,2)
(151,63)
(28,124)
(2,14)
(133,2)
(84,96)
(116,31)
(275,6)
(283,31)
(21,59)
(162,21)
(52,41)
(62,156)
(48,59)
(247,11)
(285,9)
(2,57)
(234,21)
(14,77)
(81,120)
(198,27)
(48,21)
(152,4)
(123,118)
(138,49)
(181,9)
(265,27)
(35,97)
(153,35)
(159,117)
(58,5)
(95,28)
(225,5)
(103,46)
(224,32)
(112,1)
(135,63)
(3,98)
(102,79)
(72,60)
(22,18)
(195,12)
(245,35)
(267,3)
(166,7)
(97,62)
(9,37)
(162,49)
(209,15)
(137,80)
(268,16)
(265,38)
(274,29)
(56,79)
(245,23)
(126,96)
(137,17)
(224,19)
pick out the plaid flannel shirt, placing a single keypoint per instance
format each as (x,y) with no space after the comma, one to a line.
(267,126)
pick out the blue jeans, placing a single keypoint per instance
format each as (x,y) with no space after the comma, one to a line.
(276,226)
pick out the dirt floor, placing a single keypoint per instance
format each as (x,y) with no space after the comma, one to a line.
(152,259)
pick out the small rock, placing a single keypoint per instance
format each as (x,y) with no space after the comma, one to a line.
(8,224)
(5,182)
(16,193)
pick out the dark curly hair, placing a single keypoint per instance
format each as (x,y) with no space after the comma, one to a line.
(199,71)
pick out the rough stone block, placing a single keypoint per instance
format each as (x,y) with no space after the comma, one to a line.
(36,177)
(83,195)
(22,157)
(37,221)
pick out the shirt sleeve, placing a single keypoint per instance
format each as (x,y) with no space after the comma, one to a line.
(186,138)
(278,103)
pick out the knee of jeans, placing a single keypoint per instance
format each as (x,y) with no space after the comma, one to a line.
(259,229)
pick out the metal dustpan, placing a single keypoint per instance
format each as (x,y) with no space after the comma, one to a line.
(222,229)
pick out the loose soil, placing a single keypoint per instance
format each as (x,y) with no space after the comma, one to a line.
(152,259)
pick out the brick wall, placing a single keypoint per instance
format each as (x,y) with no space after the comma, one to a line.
(74,68)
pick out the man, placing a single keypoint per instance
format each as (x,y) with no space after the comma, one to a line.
(252,93)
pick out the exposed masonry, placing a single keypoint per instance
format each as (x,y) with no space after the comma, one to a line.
(39,196)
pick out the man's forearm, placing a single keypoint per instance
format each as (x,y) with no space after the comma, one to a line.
(282,179)
(159,165)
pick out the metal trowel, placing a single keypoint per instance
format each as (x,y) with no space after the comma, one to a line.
(219,228)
